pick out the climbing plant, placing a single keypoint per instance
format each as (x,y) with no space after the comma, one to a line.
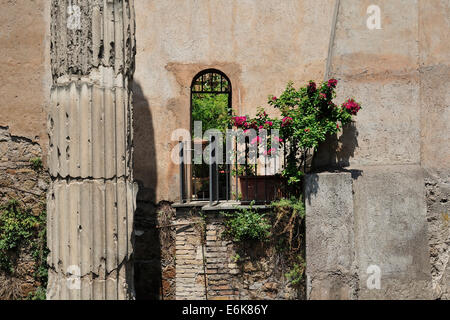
(19,228)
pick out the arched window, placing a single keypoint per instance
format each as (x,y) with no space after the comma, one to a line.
(211,105)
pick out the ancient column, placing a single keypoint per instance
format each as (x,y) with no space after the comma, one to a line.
(91,200)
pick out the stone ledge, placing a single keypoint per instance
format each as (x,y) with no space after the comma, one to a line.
(222,205)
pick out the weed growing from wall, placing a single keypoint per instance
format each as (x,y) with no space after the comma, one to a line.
(281,228)
(36,164)
(246,224)
(19,228)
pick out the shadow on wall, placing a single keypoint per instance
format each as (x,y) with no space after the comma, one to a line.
(153,244)
(333,155)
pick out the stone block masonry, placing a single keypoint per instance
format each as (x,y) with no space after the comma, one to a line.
(438,208)
(92,197)
(27,185)
(357,223)
(330,238)
(18,180)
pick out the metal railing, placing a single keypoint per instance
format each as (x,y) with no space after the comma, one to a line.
(258,182)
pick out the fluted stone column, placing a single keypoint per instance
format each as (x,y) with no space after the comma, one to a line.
(91,201)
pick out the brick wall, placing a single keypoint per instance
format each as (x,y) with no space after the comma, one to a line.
(154,256)
(229,271)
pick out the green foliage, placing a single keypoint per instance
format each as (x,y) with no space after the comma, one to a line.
(236,257)
(295,275)
(211,110)
(309,116)
(293,204)
(39,294)
(20,228)
(36,164)
(242,170)
(289,217)
(246,224)
(16,227)
(313,114)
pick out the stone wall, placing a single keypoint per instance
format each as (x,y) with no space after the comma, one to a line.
(259,45)
(154,257)
(438,208)
(20,181)
(208,266)
(434,61)
(330,237)
(361,220)
(401,136)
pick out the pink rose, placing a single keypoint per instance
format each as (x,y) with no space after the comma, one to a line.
(332,83)
(278,139)
(256,140)
(240,121)
(269,152)
(351,106)
(286,121)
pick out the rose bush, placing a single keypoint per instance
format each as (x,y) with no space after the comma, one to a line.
(308,116)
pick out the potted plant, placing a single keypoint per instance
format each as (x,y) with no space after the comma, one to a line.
(308,116)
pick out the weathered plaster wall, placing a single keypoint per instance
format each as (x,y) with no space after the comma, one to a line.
(91,201)
(380,68)
(260,45)
(399,74)
(435,134)
(24,91)
(331,269)
(360,220)
(24,74)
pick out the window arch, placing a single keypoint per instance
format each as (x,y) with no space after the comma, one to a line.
(211,103)
(211,81)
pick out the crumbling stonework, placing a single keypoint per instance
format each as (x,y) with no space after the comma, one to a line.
(434,69)
(91,202)
(22,182)
(18,179)
(438,208)
(208,266)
